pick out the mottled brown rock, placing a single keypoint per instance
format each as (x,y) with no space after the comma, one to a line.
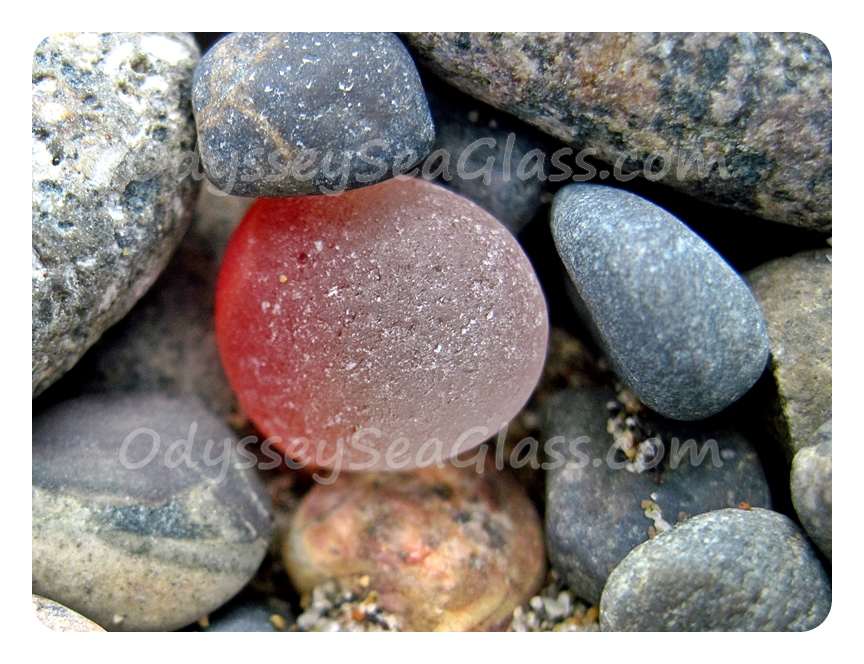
(446,549)
(795,296)
(761,101)
(61,619)
(811,489)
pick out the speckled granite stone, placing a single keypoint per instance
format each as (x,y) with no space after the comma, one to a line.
(108,109)
(811,488)
(594,512)
(168,341)
(794,294)
(679,325)
(265,101)
(729,570)
(136,544)
(762,101)
(60,619)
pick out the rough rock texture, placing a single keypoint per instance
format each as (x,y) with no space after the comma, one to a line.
(729,570)
(57,617)
(445,549)
(137,544)
(111,119)
(811,488)
(595,504)
(167,342)
(794,294)
(679,325)
(265,101)
(381,329)
(467,135)
(761,102)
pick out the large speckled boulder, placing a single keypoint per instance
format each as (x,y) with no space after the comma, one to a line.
(662,103)
(139,522)
(729,570)
(794,294)
(112,121)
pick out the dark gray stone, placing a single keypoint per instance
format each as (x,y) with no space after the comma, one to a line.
(264,101)
(112,117)
(594,511)
(741,120)
(811,488)
(472,133)
(794,294)
(729,570)
(680,327)
(136,544)
(167,342)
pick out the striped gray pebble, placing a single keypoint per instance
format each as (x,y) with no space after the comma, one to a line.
(139,523)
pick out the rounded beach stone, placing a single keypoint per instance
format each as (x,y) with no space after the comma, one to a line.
(468,134)
(386,328)
(139,522)
(112,116)
(811,488)
(286,114)
(445,549)
(729,570)
(57,617)
(250,612)
(679,325)
(741,120)
(596,505)
(167,342)
(794,293)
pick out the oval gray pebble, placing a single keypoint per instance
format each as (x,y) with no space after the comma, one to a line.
(135,526)
(729,570)
(594,512)
(680,326)
(288,114)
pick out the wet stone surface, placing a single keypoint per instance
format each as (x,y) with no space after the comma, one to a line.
(811,488)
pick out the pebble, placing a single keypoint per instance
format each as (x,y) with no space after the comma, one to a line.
(443,549)
(472,133)
(555,609)
(249,612)
(137,537)
(265,101)
(794,294)
(811,488)
(729,570)
(603,506)
(681,328)
(434,343)
(61,619)
(167,342)
(112,118)
(655,103)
